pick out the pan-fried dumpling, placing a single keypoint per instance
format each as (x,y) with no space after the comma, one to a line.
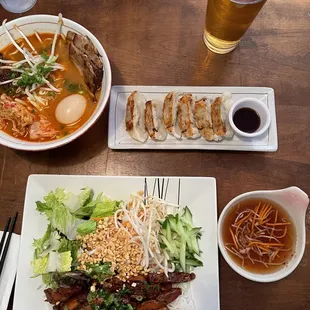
(170,114)
(185,117)
(202,117)
(219,115)
(153,120)
(135,117)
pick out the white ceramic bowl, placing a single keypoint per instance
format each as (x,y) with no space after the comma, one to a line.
(47,23)
(256,105)
(295,202)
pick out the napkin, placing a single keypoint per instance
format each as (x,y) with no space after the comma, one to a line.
(9,271)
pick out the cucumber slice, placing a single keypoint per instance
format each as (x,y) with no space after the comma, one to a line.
(194,263)
(173,222)
(195,246)
(169,245)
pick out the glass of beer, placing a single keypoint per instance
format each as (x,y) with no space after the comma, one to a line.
(227,21)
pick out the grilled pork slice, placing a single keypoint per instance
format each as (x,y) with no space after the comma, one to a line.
(152,305)
(61,294)
(85,56)
(173,277)
(170,296)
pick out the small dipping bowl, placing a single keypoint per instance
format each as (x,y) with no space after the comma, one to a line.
(295,202)
(259,107)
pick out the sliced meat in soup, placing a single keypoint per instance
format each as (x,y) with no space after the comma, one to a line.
(85,56)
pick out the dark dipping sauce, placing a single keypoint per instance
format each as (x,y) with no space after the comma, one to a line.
(246,120)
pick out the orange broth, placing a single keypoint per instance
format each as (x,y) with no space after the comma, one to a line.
(70,75)
(277,215)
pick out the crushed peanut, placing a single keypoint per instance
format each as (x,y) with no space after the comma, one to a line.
(111,244)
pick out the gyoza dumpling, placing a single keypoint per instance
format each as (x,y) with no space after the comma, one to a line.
(135,117)
(185,117)
(153,120)
(226,105)
(219,115)
(170,114)
(202,117)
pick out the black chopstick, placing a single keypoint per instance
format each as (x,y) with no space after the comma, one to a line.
(4,234)
(7,244)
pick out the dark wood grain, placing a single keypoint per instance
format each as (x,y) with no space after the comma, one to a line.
(159,42)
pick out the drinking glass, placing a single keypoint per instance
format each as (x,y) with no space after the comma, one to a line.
(18,6)
(227,21)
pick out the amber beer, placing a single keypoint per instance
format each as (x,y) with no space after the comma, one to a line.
(227,21)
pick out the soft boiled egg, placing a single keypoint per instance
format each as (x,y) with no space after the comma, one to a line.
(70,109)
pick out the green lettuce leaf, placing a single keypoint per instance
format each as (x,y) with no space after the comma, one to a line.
(39,265)
(86,196)
(49,242)
(104,209)
(87,227)
(70,245)
(60,262)
(87,209)
(49,281)
(64,261)
(58,213)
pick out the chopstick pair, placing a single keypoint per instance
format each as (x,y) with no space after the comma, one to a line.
(4,244)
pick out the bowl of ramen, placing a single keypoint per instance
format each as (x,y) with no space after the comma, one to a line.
(262,234)
(55,80)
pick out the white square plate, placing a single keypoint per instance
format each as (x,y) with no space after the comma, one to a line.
(120,139)
(197,193)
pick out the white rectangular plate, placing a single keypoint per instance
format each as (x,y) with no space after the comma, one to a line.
(120,139)
(197,193)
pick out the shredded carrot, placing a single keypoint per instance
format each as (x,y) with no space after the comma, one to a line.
(275,220)
(243,220)
(265,221)
(266,244)
(97,218)
(278,224)
(254,234)
(253,223)
(265,213)
(233,237)
(261,247)
(284,233)
(126,224)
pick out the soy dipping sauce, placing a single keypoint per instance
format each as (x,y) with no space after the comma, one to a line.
(246,120)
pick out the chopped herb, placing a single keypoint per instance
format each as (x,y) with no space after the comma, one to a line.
(51,93)
(33,111)
(10,91)
(66,133)
(44,55)
(28,80)
(43,69)
(13,75)
(74,88)
(62,127)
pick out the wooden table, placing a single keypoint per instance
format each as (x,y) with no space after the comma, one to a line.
(160,43)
